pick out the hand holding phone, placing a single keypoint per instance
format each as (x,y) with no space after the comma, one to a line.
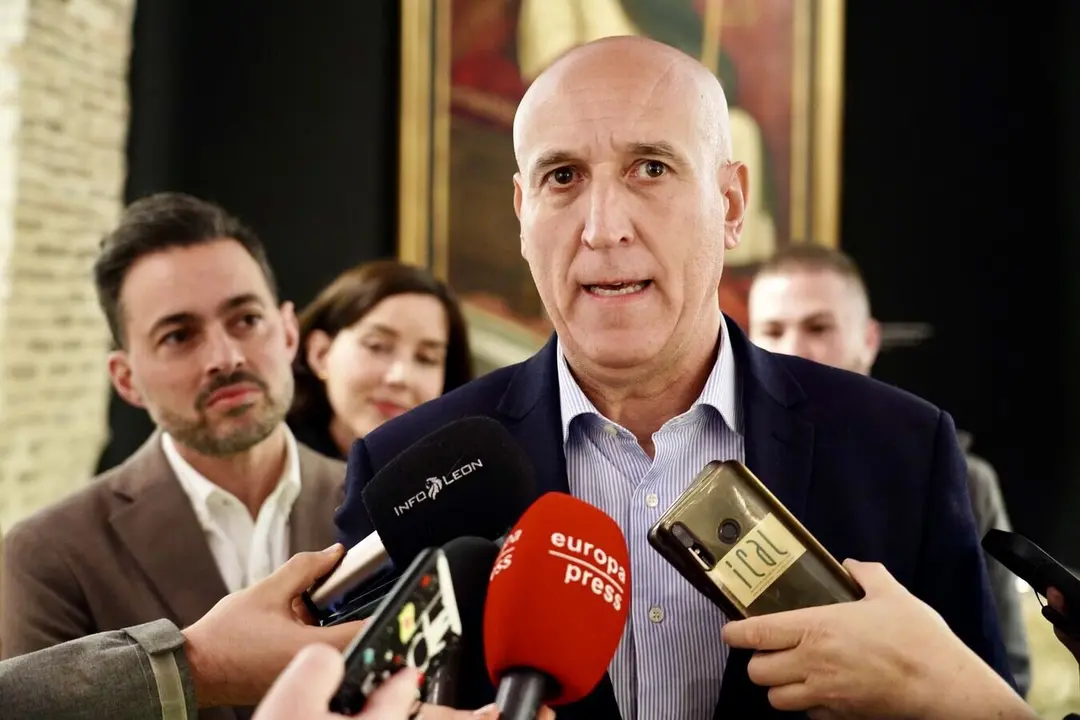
(1037,568)
(736,543)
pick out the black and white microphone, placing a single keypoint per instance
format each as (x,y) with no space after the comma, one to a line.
(468,478)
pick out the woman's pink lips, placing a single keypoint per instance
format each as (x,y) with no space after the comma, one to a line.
(389,410)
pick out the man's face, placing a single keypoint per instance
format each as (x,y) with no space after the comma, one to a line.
(626,206)
(208,353)
(815,314)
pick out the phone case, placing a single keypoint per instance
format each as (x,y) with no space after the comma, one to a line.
(736,543)
(417,625)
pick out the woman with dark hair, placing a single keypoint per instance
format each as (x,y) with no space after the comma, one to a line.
(381,339)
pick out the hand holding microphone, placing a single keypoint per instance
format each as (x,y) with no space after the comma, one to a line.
(1056,600)
(302,692)
(320,678)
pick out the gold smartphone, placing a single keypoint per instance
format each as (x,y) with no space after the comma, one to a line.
(736,543)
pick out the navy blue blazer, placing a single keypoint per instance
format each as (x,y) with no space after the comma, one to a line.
(874,473)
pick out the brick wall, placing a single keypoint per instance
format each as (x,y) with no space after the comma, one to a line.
(63,128)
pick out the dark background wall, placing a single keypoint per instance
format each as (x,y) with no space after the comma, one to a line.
(1066,535)
(959,177)
(288,118)
(960,164)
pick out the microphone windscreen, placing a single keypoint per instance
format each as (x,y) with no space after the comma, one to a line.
(466,478)
(471,560)
(559,596)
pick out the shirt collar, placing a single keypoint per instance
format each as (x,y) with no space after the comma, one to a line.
(199,489)
(719,392)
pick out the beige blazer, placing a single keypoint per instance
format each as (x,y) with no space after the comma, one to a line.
(128,549)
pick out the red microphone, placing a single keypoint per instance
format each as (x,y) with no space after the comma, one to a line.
(556,605)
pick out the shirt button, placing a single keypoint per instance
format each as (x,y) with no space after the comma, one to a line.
(656,614)
(611,430)
(651,500)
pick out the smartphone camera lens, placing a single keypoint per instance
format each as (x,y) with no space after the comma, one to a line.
(729,531)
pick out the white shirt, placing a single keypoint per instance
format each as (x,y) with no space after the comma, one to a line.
(245,550)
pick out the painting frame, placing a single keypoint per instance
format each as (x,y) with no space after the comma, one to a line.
(424,165)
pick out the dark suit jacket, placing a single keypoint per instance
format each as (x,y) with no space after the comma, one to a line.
(873,472)
(128,549)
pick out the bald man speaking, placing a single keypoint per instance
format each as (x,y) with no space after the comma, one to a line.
(628,198)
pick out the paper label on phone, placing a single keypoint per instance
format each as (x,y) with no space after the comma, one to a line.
(758,560)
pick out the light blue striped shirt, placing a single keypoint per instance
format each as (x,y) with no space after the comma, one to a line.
(670,660)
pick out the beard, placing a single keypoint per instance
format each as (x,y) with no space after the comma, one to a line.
(237,430)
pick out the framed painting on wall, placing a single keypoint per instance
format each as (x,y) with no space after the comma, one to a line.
(465,65)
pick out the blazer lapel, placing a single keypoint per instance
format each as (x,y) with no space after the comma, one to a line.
(311,523)
(779,442)
(779,447)
(531,406)
(160,529)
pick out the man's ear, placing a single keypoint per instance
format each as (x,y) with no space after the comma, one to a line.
(292,328)
(518,197)
(735,178)
(871,343)
(317,348)
(120,373)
